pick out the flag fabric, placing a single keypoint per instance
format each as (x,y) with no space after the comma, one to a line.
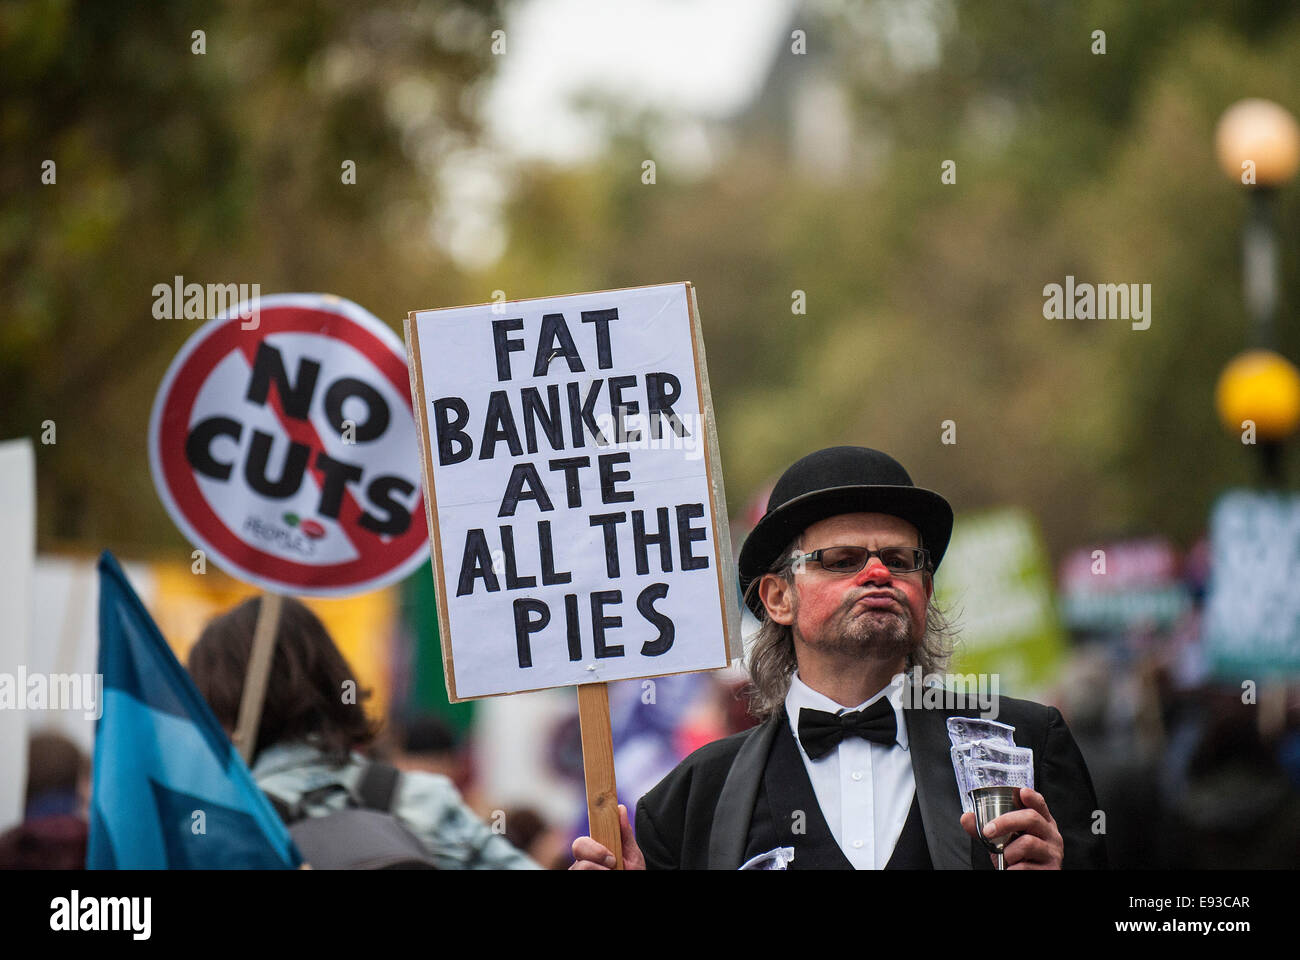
(169,791)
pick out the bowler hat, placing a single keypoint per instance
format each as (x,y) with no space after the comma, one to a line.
(834,481)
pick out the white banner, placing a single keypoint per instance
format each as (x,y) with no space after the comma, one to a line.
(17,557)
(285,448)
(580,530)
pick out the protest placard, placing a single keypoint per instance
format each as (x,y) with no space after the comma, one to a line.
(996,576)
(285,449)
(1252,612)
(17,560)
(282,444)
(575,500)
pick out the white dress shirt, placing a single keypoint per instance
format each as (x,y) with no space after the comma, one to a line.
(864,789)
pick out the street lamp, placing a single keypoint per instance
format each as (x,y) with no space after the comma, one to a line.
(1258,146)
(1262,132)
(1263,387)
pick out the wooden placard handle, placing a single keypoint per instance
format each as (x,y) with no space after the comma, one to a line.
(259,669)
(598,768)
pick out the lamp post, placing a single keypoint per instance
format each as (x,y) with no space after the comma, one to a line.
(1258,146)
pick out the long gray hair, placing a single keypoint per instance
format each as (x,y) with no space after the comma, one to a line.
(772,662)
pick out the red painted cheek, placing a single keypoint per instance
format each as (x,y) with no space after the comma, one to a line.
(916,599)
(816,607)
(821,603)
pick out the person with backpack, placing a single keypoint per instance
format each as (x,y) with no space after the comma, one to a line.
(344,811)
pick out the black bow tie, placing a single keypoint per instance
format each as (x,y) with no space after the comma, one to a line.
(821,732)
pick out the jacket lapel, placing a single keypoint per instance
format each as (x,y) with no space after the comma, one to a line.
(936,789)
(735,807)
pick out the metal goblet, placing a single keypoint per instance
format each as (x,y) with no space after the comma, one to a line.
(995,791)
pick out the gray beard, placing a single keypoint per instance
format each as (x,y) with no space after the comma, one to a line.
(872,635)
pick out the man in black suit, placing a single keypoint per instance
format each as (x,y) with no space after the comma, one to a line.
(850,768)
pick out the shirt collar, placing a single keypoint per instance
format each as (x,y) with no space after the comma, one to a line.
(801,695)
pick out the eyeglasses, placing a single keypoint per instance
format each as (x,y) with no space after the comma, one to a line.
(853,559)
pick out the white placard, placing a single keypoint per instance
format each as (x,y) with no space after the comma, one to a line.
(17,558)
(282,447)
(1252,612)
(576,510)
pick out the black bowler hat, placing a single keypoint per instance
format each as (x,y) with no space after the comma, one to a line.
(834,481)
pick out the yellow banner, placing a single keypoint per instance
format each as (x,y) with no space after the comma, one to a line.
(362,626)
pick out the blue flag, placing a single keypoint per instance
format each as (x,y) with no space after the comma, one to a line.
(170,791)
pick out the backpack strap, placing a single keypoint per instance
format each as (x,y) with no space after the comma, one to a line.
(374,791)
(377,786)
(288,813)
(293,811)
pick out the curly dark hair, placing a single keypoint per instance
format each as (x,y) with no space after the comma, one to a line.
(311,693)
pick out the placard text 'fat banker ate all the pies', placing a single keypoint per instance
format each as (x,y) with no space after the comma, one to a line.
(575,500)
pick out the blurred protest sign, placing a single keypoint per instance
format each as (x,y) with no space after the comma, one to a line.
(17,558)
(575,499)
(169,791)
(997,580)
(182,604)
(1252,614)
(285,447)
(66,598)
(317,386)
(1116,587)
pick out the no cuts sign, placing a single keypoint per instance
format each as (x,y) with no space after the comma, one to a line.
(288,451)
(575,499)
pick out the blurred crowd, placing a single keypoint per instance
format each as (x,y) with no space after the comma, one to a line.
(1191,772)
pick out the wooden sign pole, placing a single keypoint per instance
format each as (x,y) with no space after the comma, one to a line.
(598,768)
(259,670)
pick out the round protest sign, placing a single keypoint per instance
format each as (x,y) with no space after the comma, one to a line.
(282,442)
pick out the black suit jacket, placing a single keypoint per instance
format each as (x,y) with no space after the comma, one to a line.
(698,816)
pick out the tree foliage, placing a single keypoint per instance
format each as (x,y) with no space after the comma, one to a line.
(221,166)
(925,300)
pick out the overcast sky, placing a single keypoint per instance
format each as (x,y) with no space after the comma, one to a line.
(703,57)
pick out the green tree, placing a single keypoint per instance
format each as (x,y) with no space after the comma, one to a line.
(224,165)
(925,300)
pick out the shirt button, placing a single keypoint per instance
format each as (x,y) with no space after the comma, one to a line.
(857,844)
(857,774)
